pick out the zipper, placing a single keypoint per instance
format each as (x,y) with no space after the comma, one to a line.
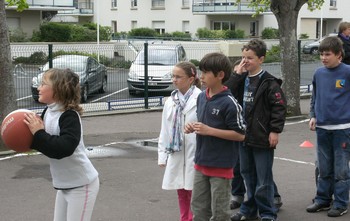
(261,125)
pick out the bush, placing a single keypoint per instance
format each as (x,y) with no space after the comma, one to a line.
(17,35)
(55,32)
(219,34)
(304,36)
(143,32)
(195,62)
(270,33)
(273,55)
(38,58)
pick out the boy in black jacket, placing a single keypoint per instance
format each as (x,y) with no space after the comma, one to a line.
(264,110)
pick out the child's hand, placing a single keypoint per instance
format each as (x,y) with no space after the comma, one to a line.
(34,122)
(200,128)
(239,69)
(188,128)
(312,124)
(273,139)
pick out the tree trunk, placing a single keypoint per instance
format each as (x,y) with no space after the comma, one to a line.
(286,12)
(7,88)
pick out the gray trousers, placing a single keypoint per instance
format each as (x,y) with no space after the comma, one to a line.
(210,198)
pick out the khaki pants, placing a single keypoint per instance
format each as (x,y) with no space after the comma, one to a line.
(210,198)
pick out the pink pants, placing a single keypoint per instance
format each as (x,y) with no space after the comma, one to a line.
(184,197)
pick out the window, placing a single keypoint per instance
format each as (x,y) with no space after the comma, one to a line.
(254,28)
(114,26)
(159,26)
(114,3)
(186,26)
(158,3)
(185,3)
(333,3)
(133,3)
(223,25)
(133,24)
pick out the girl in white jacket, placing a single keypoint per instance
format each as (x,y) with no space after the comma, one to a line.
(175,148)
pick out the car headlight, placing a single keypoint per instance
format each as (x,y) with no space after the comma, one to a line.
(167,77)
(133,75)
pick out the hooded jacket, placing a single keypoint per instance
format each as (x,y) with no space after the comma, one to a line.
(221,111)
(268,113)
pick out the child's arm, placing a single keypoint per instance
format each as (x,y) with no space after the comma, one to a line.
(203,129)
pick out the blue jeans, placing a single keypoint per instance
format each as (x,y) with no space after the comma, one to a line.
(333,151)
(256,169)
(238,186)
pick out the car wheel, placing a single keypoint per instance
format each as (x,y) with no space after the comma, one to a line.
(103,88)
(84,94)
(132,92)
(314,51)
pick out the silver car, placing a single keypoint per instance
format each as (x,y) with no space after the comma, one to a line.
(92,74)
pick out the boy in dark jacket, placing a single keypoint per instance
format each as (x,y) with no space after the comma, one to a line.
(220,124)
(264,110)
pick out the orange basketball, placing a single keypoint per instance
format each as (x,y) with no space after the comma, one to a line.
(15,133)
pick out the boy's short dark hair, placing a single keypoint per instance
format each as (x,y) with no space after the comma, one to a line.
(333,44)
(256,45)
(216,62)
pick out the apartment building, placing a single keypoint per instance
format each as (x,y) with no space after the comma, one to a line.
(167,16)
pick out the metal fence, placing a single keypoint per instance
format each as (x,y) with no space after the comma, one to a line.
(116,56)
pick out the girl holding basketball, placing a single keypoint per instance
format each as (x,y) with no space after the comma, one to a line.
(176,149)
(58,135)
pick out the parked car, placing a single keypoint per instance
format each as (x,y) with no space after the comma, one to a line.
(161,61)
(93,75)
(312,48)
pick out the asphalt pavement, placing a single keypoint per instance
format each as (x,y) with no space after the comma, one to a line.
(122,149)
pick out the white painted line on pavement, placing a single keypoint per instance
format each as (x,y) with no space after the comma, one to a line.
(294,161)
(116,92)
(297,122)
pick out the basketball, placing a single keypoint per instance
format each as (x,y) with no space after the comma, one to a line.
(15,133)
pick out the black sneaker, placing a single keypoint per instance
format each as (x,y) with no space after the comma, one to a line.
(240,216)
(335,212)
(234,204)
(278,202)
(315,207)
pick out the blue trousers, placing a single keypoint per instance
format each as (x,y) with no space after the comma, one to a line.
(256,169)
(333,151)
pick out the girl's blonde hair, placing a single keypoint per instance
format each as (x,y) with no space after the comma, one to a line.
(66,88)
(190,70)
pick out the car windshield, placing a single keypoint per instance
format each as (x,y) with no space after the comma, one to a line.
(75,64)
(157,57)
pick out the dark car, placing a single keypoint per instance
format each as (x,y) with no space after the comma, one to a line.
(93,75)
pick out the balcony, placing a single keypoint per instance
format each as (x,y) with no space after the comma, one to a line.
(221,7)
(84,9)
(47,5)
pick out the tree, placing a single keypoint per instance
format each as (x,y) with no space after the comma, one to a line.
(7,88)
(286,13)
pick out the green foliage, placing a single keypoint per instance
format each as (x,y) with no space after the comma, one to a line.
(195,62)
(273,55)
(55,32)
(270,33)
(38,57)
(81,34)
(17,35)
(58,32)
(21,4)
(143,32)
(205,33)
(304,36)
(122,64)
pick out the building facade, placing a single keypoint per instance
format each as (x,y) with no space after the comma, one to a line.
(166,16)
